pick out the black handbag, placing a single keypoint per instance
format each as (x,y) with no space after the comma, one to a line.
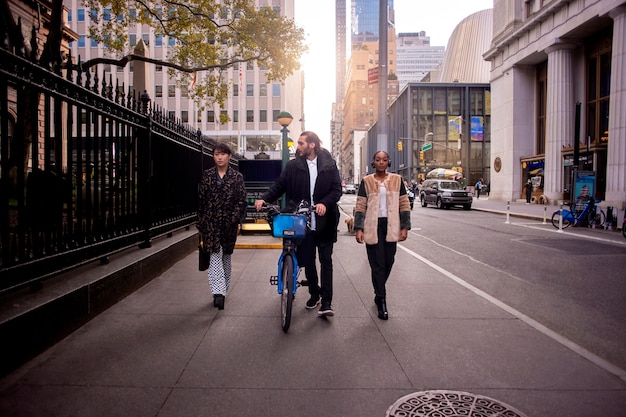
(203,258)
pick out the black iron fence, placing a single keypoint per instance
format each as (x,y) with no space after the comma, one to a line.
(87,170)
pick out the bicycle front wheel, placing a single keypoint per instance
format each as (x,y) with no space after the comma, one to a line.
(286,297)
(596,218)
(557,215)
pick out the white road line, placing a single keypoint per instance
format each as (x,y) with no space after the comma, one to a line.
(582,236)
(602,363)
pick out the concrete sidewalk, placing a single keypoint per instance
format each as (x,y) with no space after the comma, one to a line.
(165,351)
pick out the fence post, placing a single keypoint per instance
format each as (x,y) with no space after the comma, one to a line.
(145,196)
(561,219)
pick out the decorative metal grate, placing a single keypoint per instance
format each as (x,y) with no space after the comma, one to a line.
(450,404)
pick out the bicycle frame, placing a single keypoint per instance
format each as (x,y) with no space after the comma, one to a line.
(572,218)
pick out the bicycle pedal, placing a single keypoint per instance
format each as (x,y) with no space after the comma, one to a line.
(274,280)
(303,283)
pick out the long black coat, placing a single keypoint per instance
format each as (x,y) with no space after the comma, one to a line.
(294,182)
(221,207)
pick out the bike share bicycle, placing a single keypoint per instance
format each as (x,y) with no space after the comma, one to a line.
(290,227)
(563,218)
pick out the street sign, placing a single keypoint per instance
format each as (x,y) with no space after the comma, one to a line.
(427,146)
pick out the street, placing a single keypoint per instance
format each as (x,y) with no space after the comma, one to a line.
(570,282)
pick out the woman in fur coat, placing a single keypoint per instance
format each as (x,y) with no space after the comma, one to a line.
(382,219)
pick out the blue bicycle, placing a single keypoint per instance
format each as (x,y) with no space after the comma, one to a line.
(290,227)
(587,211)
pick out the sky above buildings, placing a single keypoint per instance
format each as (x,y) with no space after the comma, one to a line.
(437,18)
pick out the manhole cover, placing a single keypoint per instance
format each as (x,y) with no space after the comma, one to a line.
(450,404)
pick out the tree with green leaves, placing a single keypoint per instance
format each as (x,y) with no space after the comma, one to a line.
(210,36)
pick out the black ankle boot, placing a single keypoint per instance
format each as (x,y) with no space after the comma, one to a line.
(382,310)
(219,301)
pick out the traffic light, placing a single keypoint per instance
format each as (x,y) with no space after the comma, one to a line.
(421,155)
(399,145)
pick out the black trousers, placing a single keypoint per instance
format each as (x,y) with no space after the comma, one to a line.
(381,257)
(306,253)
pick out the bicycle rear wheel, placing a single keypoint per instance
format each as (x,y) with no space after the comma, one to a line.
(596,218)
(286,297)
(557,214)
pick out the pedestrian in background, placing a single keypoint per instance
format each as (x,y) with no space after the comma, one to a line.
(479,186)
(222,203)
(529,190)
(382,219)
(313,177)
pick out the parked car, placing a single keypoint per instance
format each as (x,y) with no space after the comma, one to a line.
(445,194)
(350,189)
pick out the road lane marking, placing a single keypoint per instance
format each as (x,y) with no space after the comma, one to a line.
(602,363)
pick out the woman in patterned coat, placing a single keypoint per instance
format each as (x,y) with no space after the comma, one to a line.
(222,198)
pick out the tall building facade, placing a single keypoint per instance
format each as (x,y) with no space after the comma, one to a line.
(364,21)
(252,105)
(558,81)
(336,123)
(415,57)
(360,104)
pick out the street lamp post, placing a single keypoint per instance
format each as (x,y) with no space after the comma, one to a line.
(284,119)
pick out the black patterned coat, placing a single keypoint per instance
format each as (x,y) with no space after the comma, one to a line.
(221,206)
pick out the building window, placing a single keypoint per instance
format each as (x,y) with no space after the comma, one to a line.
(476,101)
(210,115)
(249,115)
(184,115)
(263,90)
(184,91)
(171,41)
(263,116)
(199,116)
(81,41)
(249,90)
(158,90)
(106,15)
(275,114)
(235,90)
(223,116)
(171,115)
(598,87)
(146,38)
(81,15)
(276,90)
(171,90)
(455,102)
(158,68)
(93,43)
(235,116)
(158,40)
(132,39)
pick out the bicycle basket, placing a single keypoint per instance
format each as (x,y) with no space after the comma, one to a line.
(289,226)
